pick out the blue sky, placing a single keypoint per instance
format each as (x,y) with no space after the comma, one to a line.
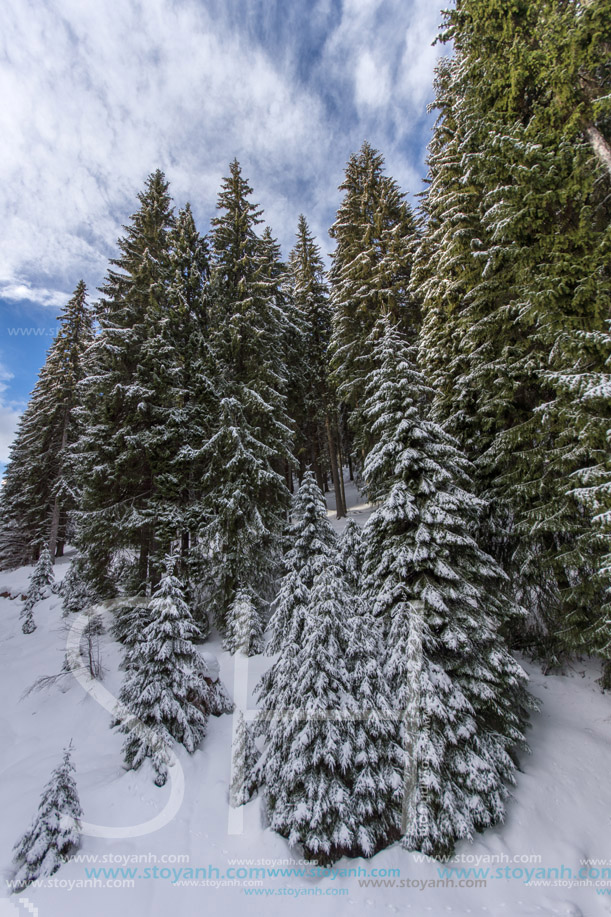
(98,93)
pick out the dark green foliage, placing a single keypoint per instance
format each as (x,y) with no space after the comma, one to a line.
(514,276)
(370,273)
(459,695)
(121,449)
(588,626)
(313,399)
(244,487)
(186,404)
(40,487)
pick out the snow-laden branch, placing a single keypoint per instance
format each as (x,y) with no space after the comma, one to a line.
(600,146)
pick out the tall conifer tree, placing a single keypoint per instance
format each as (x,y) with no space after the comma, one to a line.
(40,487)
(425,571)
(121,448)
(370,272)
(316,408)
(512,271)
(588,627)
(186,404)
(244,483)
(308,719)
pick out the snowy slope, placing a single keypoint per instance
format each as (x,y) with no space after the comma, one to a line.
(561,809)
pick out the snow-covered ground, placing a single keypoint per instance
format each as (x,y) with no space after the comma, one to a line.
(559,816)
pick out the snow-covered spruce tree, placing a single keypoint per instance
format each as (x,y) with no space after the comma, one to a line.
(26,616)
(311,538)
(40,586)
(351,553)
(76,591)
(308,718)
(39,485)
(374,776)
(424,569)
(245,493)
(313,400)
(513,268)
(186,405)
(131,618)
(164,696)
(474,348)
(243,761)
(54,835)
(316,603)
(529,466)
(588,626)
(445,768)
(244,630)
(218,700)
(286,622)
(312,544)
(240,534)
(291,334)
(375,232)
(119,451)
(556,83)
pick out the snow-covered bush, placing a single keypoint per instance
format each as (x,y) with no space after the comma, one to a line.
(244,759)
(165,691)
(54,835)
(244,629)
(40,587)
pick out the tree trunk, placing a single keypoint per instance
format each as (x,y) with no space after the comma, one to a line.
(154,568)
(289,477)
(318,475)
(56,504)
(143,560)
(63,530)
(314,459)
(334,471)
(54,529)
(184,546)
(340,461)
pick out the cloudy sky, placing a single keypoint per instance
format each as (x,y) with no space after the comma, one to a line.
(98,93)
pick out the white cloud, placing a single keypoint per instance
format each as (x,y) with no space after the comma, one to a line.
(419,56)
(8,425)
(24,292)
(9,417)
(386,49)
(96,95)
(372,81)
